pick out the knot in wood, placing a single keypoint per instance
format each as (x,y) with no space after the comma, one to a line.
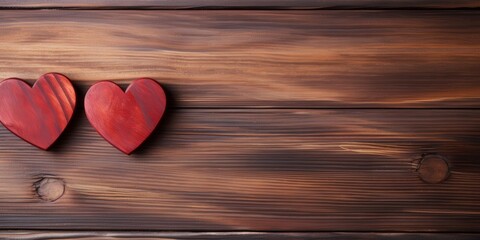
(433,168)
(49,189)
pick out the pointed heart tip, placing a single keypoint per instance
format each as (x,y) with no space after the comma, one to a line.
(127,152)
(44,147)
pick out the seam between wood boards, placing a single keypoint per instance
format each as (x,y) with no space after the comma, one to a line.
(324,108)
(152,231)
(253,8)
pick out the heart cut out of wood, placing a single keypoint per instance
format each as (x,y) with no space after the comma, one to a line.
(125,119)
(37,114)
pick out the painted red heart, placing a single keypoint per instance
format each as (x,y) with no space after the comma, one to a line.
(125,119)
(37,114)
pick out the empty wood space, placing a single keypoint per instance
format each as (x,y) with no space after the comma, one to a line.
(285,120)
(99,235)
(243,4)
(251,59)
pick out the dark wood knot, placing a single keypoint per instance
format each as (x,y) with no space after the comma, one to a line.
(49,189)
(433,168)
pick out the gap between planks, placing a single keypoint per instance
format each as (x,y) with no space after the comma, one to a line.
(40,235)
(238,5)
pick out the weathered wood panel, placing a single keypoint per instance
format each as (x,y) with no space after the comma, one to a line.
(253,4)
(312,59)
(38,235)
(288,170)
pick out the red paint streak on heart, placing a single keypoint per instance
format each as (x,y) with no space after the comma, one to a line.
(125,119)
(37,114)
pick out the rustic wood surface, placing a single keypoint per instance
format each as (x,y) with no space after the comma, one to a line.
(251,59)
(257,169)
(298,120)
(37,235)
(249,4)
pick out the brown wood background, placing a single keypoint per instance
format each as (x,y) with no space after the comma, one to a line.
(243,4)
(279,121)
(93,235)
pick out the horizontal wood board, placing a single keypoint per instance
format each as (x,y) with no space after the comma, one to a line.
(317,156)
(255,170)
(247,4)
(99,235)
(258,59)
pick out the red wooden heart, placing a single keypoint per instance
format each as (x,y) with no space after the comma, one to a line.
(37,114)
(125,119)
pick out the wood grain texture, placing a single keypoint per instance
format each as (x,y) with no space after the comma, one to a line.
(125,118)
(100,235)
(258,170)
(258,59)
(235,4)
(40,113)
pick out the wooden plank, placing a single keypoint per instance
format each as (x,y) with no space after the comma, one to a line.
(90,235)
(235,4)
(255,170)
(265,59)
